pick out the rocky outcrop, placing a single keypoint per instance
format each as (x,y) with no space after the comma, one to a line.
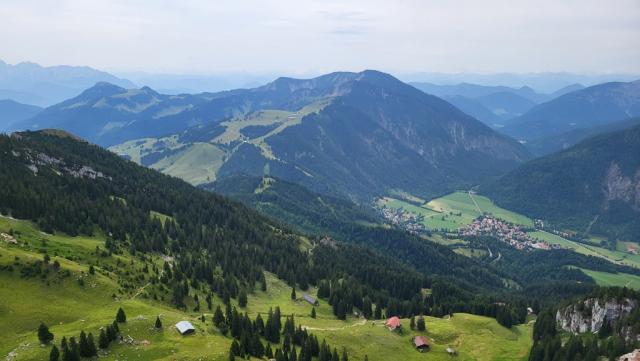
(617,186)
(590,314)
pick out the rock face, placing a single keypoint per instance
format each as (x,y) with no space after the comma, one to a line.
(590,315)
(619,187)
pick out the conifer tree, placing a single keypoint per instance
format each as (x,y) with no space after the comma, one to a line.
(412,323)
(121,317)
(103,339)
(158,324)
(242,298)
(218,317)
(313,312)
(84,345)
(420,324)
(54,355)
(44,335)
(74,351)
(293,293)
(91,345)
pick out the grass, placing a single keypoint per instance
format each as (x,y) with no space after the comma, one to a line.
(456,210)
(473,337)
(614,279)
(615,256)
(197,163)
(67,307)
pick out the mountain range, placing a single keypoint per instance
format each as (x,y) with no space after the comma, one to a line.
(12,112)
(593,106)
(31,83)
(494,105)
(354,134)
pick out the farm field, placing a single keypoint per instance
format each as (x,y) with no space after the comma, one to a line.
(619,257)
(67,307)
(614,279)
(456,210)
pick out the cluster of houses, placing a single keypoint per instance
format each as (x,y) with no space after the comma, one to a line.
(503,231)
(407,220)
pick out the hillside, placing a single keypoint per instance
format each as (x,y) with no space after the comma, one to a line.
(12,112)
(593,106)
(590,187)
(132,237)
(32,83)
(354,134)
(552,144)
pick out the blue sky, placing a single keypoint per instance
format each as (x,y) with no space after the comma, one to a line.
(313,36)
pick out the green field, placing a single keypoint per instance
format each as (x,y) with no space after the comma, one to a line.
(614,279)
(69,307)
(456,210)
(616,256)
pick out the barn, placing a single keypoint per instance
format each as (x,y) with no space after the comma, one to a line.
(421,343)
(310,299)
(185,327)
(393,323)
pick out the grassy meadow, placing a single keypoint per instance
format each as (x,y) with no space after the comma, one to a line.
(68,305)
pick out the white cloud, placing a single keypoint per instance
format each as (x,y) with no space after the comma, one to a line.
(312,36)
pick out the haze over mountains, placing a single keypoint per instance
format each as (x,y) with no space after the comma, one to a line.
(593,106)
(494,105)
(33,84)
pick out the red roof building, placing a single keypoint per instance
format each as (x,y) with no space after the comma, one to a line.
(393,323)
(421,343)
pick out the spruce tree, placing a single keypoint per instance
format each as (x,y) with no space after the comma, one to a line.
(84,345)
(412,323)
(313,312)
(158,323)
(74,351)
(242,298)
(218,317)
(103,339)
(293,293)
(91,346)
(54,355)
(120,316)
(44,335)
(421,325)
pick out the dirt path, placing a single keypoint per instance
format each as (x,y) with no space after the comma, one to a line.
(361,323)
(474,202)
(140,290)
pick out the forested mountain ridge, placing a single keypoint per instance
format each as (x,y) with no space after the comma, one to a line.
(48,171)
(361,135)
(593,186)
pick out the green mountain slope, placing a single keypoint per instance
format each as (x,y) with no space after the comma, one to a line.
(590,187)
(354,134)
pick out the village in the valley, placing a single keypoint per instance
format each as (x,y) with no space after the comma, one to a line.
(484,225)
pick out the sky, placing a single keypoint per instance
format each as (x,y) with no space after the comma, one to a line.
(317,36)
